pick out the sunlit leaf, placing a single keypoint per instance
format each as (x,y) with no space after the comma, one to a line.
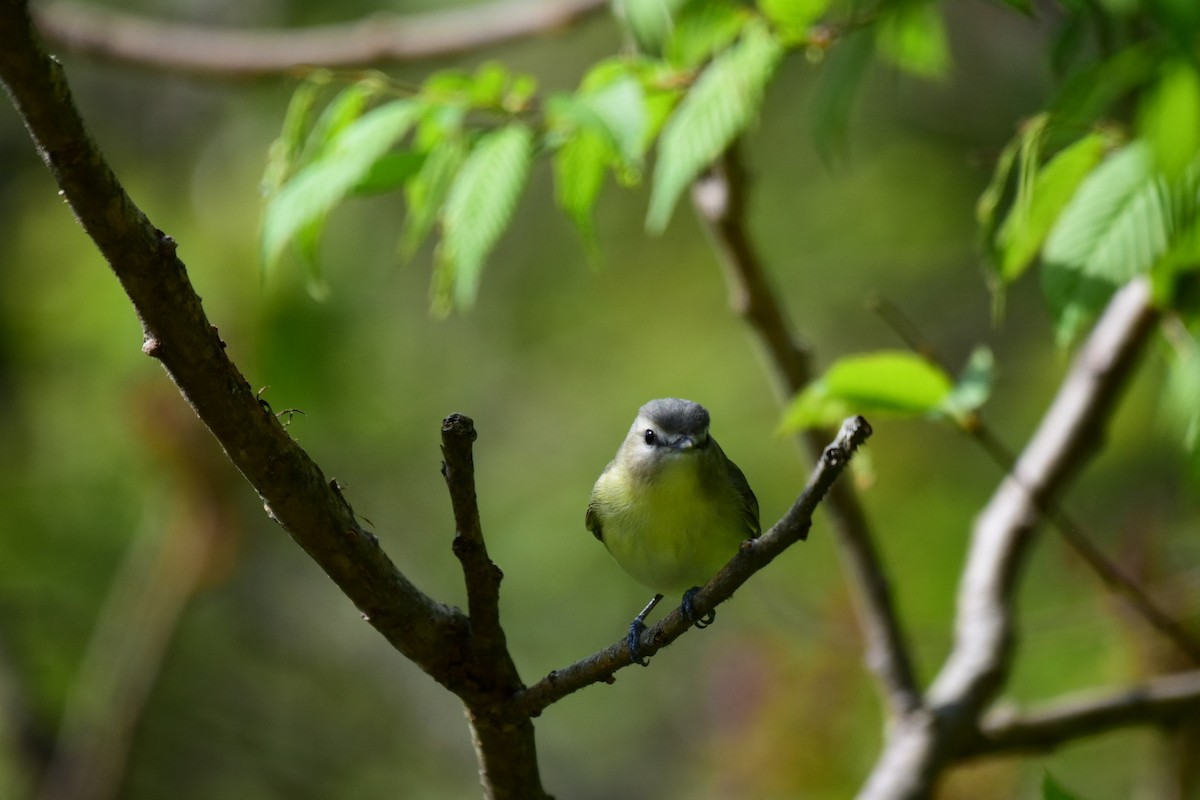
(1117,225)
(648,20)
(1169,118)
(339,114)
(912,36)
(285,151)
(1028,223)
(703,28)
(312,193)
(718,108)
(887,382)
(478,208)
(579,167)
(426,191)
(792,19)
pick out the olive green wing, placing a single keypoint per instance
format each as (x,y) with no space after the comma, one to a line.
(749,501)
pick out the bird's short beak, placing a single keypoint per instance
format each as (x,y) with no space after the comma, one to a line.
(684,443)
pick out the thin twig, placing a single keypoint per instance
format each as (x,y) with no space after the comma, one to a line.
(482,576)
(1159,701)
(754,554)
(978,664)
(1071,531)
(720,199)
(225,53)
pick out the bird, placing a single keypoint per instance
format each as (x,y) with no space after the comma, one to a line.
(671,507)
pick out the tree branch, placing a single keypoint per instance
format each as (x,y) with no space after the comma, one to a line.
(1052,511)
(1160,701)
(178,334)
(720,199)
(216,53)
(1071,429)
(753,555)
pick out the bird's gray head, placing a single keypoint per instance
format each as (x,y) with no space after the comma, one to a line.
(667,428)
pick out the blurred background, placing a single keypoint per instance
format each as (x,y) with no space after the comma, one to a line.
(143,589)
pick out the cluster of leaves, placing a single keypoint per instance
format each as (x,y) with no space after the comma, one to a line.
(1102,186)
(459,147)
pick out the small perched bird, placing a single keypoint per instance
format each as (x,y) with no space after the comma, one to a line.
(671,507)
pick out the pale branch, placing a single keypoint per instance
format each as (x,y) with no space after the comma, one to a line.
(1115,578)
(916,752)
(213,52)
(720,200)
(753,555)
(178,334)
(1162,700)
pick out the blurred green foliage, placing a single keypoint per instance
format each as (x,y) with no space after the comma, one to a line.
(272,686)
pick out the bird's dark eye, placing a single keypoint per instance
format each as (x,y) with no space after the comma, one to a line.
(650,436)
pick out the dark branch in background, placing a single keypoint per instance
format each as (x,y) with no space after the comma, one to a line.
(1160,701)
(753,556)
(720,199)
(215,52)
(1113,576)
(918,749)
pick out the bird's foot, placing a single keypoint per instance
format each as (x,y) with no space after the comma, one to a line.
(689,612)
(636,629)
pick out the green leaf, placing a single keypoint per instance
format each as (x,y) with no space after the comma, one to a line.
(1090,93)
(390,172)
(285,151)
(648,20)
(1169,118)
(842,75)
(1029,222)
(792,19)
(912,36)
(886,382)
(1117,225)
(1183,386)
(307,198)
(426,191)
(341,112)
(579,167)
(1052,790)
(973,387)
(716,110)
(478,209)
(702,28)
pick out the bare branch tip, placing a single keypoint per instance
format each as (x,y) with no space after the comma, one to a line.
(459,426)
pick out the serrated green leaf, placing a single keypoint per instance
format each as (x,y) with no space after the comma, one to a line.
(426,191)
(338,115)
(704,27)
(579,167)
(620,107)
(1027,224)
(1169,118)
(886,382)
(1117,225)
(307,198)
(479,206)
(912,36)
(717,109)
(648,20)
(285,151)
(1052,790)
(792,19)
